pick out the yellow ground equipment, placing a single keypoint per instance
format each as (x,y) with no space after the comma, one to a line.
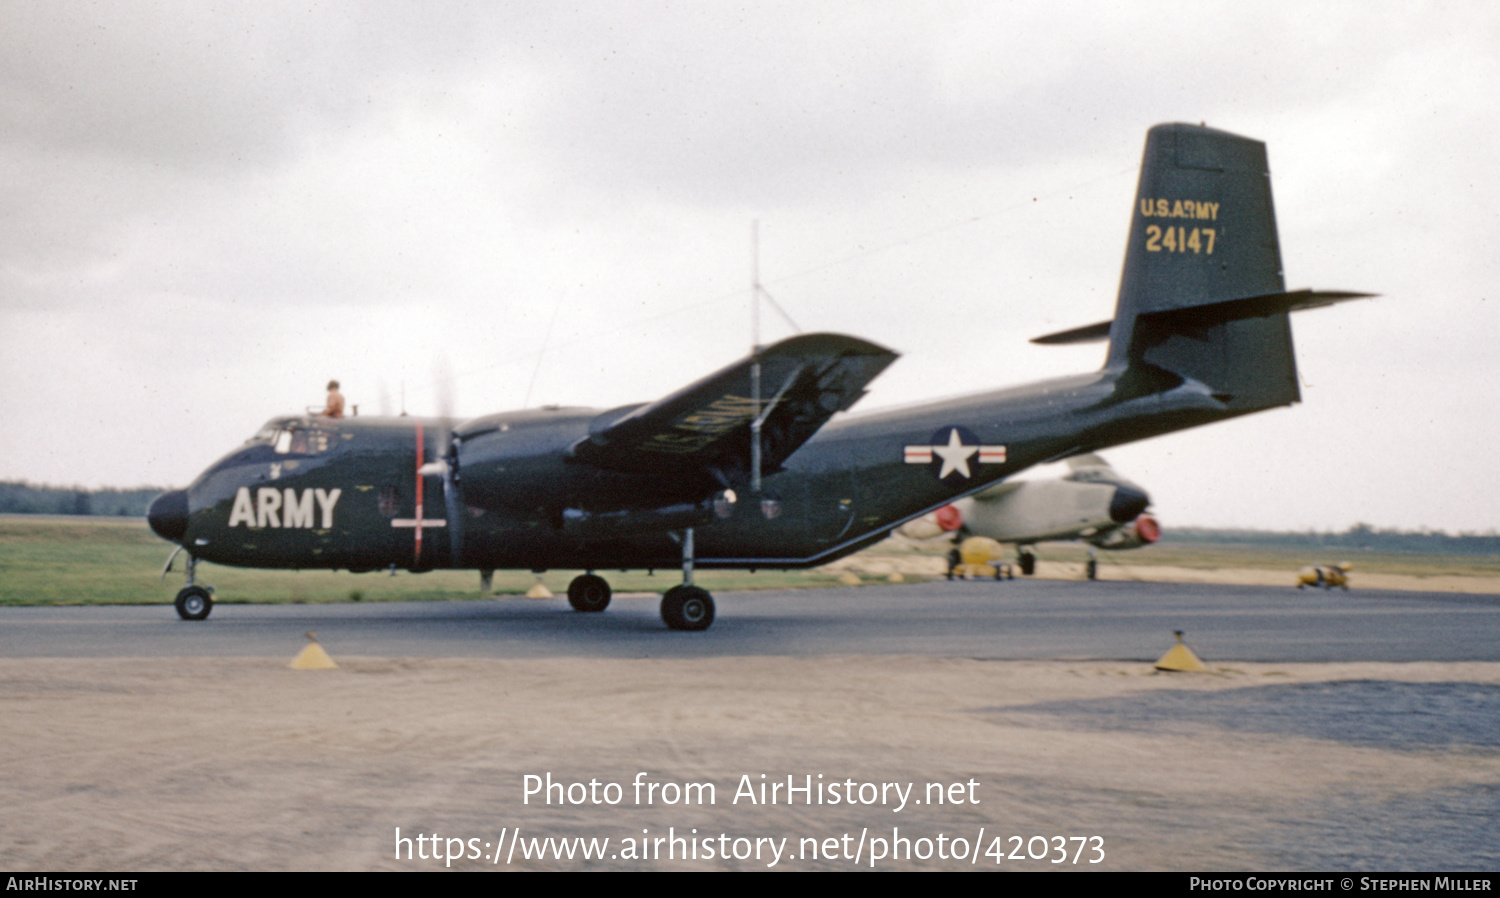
(1325,575)
(978,556)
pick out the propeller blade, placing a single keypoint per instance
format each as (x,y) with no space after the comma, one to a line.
(442,385)
(453,501)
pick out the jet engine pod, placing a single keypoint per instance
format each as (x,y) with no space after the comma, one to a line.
(1146,529)
(1143,531)
(949,518)
(933,524)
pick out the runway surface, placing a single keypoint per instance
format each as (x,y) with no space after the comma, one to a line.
(1020,620)
(142,742)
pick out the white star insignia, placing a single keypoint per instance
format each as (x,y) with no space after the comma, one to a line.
(955,455)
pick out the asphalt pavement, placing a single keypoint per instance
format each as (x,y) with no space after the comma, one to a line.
(1020,619)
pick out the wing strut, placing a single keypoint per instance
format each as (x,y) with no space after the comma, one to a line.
(761,419)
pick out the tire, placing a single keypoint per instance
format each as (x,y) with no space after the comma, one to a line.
(1028,563)
(687,608)
(1092,569)
(194,603)
(589,593)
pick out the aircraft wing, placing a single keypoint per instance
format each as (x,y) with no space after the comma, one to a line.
(706,426)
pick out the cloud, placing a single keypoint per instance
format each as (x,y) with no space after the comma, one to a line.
(206,212)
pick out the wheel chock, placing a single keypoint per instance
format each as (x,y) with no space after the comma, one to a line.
(1180,657)
(312,657)
(539,590)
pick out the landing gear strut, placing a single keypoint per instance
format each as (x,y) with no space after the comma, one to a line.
(1027,560)
(194,602)
(687,607)
(589,592)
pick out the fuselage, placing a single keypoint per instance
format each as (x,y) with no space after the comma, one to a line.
(756,465)
(367,493)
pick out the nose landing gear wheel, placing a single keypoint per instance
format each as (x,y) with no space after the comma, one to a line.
(194,603)
(589,592)
(687,608)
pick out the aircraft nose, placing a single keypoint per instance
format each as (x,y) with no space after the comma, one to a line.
(1127,504)
(168,515)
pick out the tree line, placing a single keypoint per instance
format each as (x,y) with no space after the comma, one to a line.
(1359,538)
(26,498)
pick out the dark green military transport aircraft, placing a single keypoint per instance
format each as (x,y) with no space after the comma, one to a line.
(745,469)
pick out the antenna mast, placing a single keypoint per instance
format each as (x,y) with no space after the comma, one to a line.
(755,356)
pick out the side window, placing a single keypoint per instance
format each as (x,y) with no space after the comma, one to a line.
(283,442)
(388,500)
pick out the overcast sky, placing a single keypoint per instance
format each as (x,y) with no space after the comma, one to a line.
(209,210)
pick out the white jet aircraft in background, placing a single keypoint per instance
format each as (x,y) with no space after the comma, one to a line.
(1092,503)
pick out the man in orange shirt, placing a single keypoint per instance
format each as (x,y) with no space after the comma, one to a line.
(335,407)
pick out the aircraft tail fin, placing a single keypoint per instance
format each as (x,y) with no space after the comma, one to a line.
(1202,297)
(1203,231)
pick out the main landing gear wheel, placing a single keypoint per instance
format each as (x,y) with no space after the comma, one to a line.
(687,608)
(1027,562)
(194,603)
(589,592)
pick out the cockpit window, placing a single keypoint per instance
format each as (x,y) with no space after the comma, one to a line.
(301,441)
(291,437)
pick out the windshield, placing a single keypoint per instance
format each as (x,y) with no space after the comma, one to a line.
(266,434)
(292,438)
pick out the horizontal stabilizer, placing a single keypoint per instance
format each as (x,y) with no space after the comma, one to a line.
(1092,333)
(1213,313)
(804,380)
(1251,307)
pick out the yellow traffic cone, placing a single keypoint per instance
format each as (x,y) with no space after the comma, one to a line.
(539,590)
(312,656)
(849,578)
(1180,657)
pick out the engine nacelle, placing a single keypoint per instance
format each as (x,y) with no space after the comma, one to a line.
(605,524)
(519,462)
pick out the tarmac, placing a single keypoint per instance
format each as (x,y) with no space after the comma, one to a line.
(1022,721)
(985,619)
